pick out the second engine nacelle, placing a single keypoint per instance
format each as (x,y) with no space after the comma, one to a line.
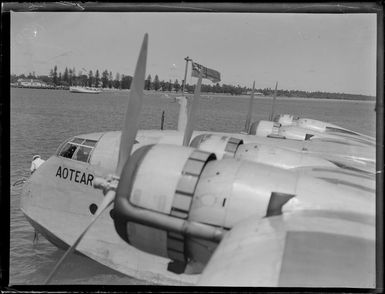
(265,128)
(279,157)
(312,124)
(272,129)
(228,147)
(286,119)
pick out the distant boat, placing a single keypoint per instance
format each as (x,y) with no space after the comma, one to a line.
(88,90)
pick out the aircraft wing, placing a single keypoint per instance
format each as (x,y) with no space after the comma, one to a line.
(298,249)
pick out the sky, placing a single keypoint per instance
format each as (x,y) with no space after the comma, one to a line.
(311,52)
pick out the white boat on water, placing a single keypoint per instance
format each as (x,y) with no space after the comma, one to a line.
(88,90)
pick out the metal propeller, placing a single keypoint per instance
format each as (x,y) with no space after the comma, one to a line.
(273,106)
(129,131)
(191,112)
(250,110)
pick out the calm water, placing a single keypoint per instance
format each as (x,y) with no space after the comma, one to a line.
(42,119)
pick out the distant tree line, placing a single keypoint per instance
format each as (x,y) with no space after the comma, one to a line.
(106,79)
(69,78)
(315,94)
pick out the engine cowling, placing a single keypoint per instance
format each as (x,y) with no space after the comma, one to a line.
(265,128)
(295,133)
(306,123)
(178,202)
(312,124)
(286,119)
(275,130)
(153,200)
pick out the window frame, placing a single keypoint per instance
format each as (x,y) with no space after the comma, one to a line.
(78,145)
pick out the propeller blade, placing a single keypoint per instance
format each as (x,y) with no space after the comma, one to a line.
(273,106)
(183,113)
(250,110)
(129,131)
(107,200)
(191,113)
(134,105)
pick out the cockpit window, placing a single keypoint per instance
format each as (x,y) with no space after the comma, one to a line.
(78,149)
(78,140)
(90,143)
(83,153)
(68,150)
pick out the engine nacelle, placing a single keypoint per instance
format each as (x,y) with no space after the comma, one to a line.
(178,202)
(222,146)
(286,119)
(265,128)
(275,130)
(153,201)
(227,147)
(306,123)
(312,124)
(295,133)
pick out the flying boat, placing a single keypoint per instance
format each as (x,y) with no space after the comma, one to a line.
(185,215)
(287,126)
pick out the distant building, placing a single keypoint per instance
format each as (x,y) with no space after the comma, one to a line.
(35,83)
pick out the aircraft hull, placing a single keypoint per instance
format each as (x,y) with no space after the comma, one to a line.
(61,216)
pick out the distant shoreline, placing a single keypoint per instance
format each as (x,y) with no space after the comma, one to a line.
(311,98)
(216,95)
